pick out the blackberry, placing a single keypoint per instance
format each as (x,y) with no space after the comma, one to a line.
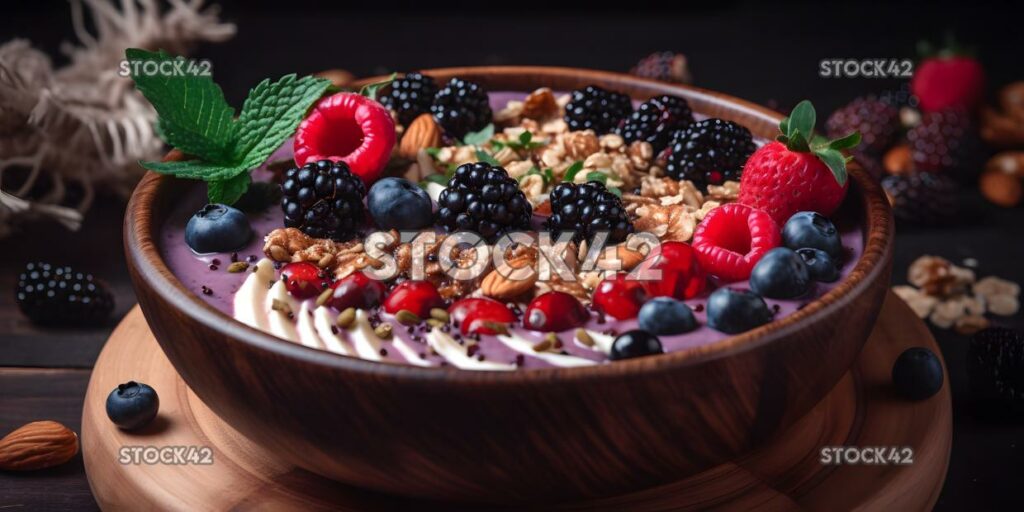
(484,199)
(594,108)
(709,152)
(921,197)
(587,209)
(324,200)
(461,107)
(410,96)
(52,295)
(995,370)
(877,121)
(945,141)
(656,120)
(664,66)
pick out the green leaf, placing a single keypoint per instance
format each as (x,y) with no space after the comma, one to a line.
(433,151)
(835,161)
(802,119)
(370,90)
(483,156)
(479,138)
(597,176)
(271,113)
(194,169)
(848,142)
(194,116)
(228,191)
(798,143)
(549,176)
(784,127)
(570,173)
(615,190)
(525,138)
(440,179)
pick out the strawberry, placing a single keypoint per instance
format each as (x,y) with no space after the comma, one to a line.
(801,171)
(949,78)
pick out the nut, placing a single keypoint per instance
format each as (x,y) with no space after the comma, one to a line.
(422,133)
(501,287)
(897,160)
(339,77)
(1001,188)
(1003,305)
(346,318)
(540,104)
(37,445)
(970,324)
(921,303)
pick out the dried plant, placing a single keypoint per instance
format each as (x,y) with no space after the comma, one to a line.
(84,127)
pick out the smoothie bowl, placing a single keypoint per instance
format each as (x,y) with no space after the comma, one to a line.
(508,384)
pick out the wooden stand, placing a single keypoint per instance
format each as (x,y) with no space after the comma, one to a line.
(785,474)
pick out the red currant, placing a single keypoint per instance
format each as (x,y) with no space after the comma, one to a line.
(554,311)
(304,279)
(356,290)
(481,315)
(418,297)
(620,296)
(681,274)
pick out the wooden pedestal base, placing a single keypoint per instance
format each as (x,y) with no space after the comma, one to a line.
(785,474)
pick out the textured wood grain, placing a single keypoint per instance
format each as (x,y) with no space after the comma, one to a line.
(516,436)
(783,474)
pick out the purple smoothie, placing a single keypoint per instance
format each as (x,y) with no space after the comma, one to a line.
(197,271)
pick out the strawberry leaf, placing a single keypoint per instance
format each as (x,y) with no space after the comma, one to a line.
(370,90)
(228,191)
(802,120)
(835,161)
(848,142)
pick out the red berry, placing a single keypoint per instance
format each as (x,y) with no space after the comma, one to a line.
(357,290)
(416,296)
(782,182)
(732,239)
(944,82)
(681,274)
(554,311)
(351,128)
(304,279)
(481,315)
(620,296)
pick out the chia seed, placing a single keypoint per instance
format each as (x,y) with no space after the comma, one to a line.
(384,352)
(698,308)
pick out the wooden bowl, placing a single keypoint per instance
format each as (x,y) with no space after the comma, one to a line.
(498,437)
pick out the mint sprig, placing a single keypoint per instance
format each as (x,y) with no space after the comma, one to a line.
(797,133)
(195,118)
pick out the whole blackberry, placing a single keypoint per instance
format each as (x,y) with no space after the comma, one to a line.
(323,199)
(655,121)
(461,107)
(945,141)
(709,152)
(995,370)
(594,108)
(410,96)
(484,199)
(587,209)
(664,66)
(52,295)
(877,121)
(921,197)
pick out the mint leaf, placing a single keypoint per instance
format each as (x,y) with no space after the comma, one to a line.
(484,157)
(848,142)
(615,190)
(835,161)
(596,176)
(572,171)
(370,90)
(440,179)
(194,116)
(479,138)
(270,114)
(193,169)
(229,190)
(802,119)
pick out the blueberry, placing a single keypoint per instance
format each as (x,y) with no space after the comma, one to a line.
(820,265)
(217,228)
(635,343)
(132,405)
(734,311)
(917,373)
(665,315)
(811,229)
(395,203)
(780,274)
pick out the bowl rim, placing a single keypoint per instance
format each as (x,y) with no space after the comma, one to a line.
(142,251)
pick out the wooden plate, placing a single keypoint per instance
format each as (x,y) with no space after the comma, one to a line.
(785,474)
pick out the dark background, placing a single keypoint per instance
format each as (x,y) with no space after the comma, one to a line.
(767,53)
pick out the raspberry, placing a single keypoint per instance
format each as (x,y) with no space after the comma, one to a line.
(732,239)
(324,200)
(51,295)
(877,121)
(586,210)
(709,152)
(483,199)
(410,96)
(349,128)
(594,108)
(655,121)
(461,107)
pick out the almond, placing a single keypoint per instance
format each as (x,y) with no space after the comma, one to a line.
(422,133)
(897,160)
(497,286)
(540,104)
(338,77)
(37,445)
